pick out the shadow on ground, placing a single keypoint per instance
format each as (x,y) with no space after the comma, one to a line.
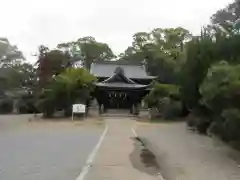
(143,159)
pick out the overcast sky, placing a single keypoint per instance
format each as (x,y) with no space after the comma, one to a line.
(29,23)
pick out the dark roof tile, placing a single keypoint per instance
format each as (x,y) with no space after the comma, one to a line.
(130,71)
(121,85)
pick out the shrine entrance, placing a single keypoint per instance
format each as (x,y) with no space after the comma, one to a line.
(123,89)
(129,99)
(118,100)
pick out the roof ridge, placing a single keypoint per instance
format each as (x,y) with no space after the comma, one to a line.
(118,63)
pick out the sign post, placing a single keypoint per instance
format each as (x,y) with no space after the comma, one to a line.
(78,109)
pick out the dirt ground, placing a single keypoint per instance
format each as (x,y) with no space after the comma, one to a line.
(185,155)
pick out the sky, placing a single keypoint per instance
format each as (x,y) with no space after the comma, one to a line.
(30,23)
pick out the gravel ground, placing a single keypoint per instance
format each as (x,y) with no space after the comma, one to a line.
(185,155)
(44,150)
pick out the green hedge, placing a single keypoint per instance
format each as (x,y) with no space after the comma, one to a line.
(220,103)
(160,91)
(165,98)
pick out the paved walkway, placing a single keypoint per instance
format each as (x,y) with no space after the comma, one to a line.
(118,157)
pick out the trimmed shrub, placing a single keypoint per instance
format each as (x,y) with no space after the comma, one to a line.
(167,109)
(160,91)
(165,98)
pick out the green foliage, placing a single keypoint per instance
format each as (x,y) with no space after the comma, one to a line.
(199,57)
(6,105)
(164,97)
(87,50)
(220,94)
(231,125)
(227,126)
(9,54)
(221,86)
(27,104)
(49,64)
(169,109)
(199,122)
(160,91)
(71,86)
(162,50)
(228,16)
(22,75)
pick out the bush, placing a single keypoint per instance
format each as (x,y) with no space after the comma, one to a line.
(220,88)
(169,109)
(199,119)
(160,91)
(229,126)
(26,105)
(201,124)
(6,105)
(46,106)
(220,94)
(165,98)
(70,86)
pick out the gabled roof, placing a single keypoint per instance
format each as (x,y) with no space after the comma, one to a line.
(119,80)
(119,76)
(106,69)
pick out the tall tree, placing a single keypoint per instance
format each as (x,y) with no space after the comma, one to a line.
(162,49)
(227,17)
(69,87)
(140,39)
(22,75)
(88,50)
(9,54)
(50,63)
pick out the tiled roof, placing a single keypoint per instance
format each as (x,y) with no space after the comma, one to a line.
(121,85)
(130,71)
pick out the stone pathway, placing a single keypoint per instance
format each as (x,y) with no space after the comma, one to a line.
(118,157)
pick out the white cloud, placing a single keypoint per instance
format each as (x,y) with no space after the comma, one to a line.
(29,23)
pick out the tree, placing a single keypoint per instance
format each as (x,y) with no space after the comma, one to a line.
(9,54)
(165,99)
(220,94)
(50,63)
(231,13)
(10,58)
(88,50)
(228,17)
(220,88)
(140,39)
(69,87)
(22,75)
(162,49)
(199,57)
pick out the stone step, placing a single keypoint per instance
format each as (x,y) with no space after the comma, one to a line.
(117,113)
